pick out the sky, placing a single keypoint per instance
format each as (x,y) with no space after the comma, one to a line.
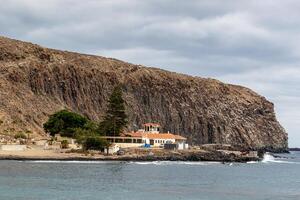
(253,43)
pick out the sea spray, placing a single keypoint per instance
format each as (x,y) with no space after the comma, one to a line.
(269,158)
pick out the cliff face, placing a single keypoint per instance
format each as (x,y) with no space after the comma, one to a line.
(36,82)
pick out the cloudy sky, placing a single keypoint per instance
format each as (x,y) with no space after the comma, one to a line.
(252,43)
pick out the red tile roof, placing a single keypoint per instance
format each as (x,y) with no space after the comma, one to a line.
(155,135)
(133,134)
(163,136)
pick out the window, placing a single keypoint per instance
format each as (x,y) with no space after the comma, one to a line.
(128,141)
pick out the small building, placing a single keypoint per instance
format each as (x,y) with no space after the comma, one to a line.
(179,146)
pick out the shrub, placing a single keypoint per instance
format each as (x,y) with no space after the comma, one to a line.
(94,143)
(20,135)
(82,134)
(64,144)
(90,139)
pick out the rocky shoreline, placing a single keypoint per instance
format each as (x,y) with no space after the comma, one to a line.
(214,156)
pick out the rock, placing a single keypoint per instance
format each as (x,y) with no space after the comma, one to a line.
(36,82)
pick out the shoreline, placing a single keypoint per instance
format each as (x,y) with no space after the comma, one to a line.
(120,159)
(141,156)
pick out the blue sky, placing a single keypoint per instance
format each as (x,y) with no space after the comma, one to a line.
(252,43)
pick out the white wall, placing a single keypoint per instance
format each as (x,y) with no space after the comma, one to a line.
(158,142)
(112,150)
(182,145)
(129,145)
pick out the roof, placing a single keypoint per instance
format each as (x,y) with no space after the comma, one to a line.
(163,136)
(152,124)
(155,135)
(133,134)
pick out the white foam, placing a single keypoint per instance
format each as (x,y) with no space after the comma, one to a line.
(132,162)
(268,158)
(252,162)
(174,163)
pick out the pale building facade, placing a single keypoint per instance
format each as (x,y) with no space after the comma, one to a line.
(148,136)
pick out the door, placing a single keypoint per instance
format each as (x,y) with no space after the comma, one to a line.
(151,142)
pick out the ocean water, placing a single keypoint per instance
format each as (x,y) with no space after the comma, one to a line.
(273,178)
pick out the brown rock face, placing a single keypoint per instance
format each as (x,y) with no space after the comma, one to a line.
(36,82)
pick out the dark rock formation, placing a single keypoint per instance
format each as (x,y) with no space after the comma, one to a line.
(35,82)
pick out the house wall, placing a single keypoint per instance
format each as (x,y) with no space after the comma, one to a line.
(112,150)
(158,142)
(182,145)
(129,145)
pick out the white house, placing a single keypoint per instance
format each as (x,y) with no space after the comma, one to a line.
(150,135)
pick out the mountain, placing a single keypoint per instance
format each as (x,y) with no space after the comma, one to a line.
(36,82)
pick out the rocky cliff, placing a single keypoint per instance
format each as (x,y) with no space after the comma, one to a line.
(36,82)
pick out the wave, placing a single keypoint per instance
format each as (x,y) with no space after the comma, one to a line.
(131,162)
(268,158)
(174,163)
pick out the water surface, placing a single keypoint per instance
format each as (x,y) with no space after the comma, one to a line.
(53,180)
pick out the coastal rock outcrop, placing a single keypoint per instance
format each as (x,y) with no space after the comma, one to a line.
(36,82)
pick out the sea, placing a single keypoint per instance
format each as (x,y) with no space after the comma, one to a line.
(271,179)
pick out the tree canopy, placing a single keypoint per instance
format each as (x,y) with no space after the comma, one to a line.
(70,124)
(115,119)
(64,123)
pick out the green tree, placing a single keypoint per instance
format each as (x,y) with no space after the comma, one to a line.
(65,122)
(115,119)
(95,143)
(90,140)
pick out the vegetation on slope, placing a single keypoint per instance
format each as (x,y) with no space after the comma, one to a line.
(86,132)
